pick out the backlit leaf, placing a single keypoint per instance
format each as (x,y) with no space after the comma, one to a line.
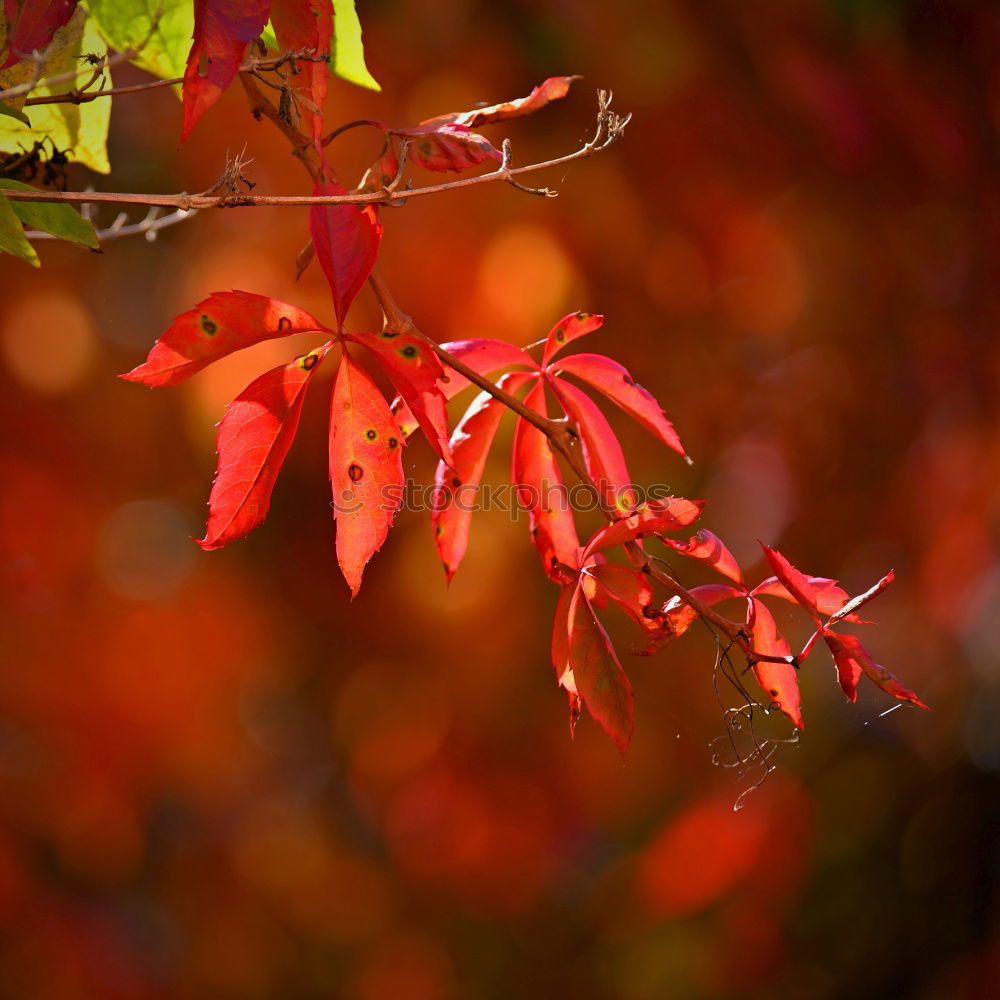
(349,52)
(31,25)
(602,452)
(540,491)
(656,517)
(677,616)
(306,25)
(568,329)
(850,654)
(614,381)
(630,589)
(447,147)
(827,594)
(415,371)
(550,90)
(777,680)
(708,548)
(483,356)
(457,487)
(599,677)
(217,326)
(254,438)
(222,31)
(79,130)
(796,583)
(366,469)
(127,24)
(345,239)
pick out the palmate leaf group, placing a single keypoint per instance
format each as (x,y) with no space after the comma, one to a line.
(556,392)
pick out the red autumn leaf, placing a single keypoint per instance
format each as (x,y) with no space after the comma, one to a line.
(253,440)
(456,488)
(708,548)
(217,326)
(345,239)
(366,469)
(656,517)
(307,25)
(777,680)
(676,616)
(602,453)
(541,492)
(848,669)
(550,90)
(483,356)
(31,25)
(446,146)
(829,597)
(614,381)
(222,31)
(599,677)
(415,371)
(630,589)
(382,172)
(560,632)
(568,329)
(846,613)
(795,582)
(852,657)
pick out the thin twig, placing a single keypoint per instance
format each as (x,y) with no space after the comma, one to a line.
(84,97)
(609,129)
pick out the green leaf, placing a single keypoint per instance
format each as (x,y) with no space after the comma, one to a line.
(348,51)
(12,238)
(82,130)
(126,24)
(59,220)
(14,113)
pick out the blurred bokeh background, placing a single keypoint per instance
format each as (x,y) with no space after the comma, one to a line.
(220,778)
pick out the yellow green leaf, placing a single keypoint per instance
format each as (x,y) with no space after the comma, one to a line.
(12,238)
(127,24)
(81,130)
(60,220)
(348,51)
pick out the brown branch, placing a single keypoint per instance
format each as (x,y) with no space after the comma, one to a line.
(84,97)
(609,129)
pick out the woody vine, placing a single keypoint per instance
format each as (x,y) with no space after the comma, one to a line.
(282,53)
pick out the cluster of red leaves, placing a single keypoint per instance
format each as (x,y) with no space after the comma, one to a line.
(367,435)
(223,29)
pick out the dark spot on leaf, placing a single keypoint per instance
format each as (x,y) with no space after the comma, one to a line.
(355,472)
(437,530)
(560,336)
(371,434)
(456,482)
(284,323)
(774,694)
(445,378)
(208,326)
(581,316)
(389,334)
(393,443)
(309,362)
(627,380)
(409,352)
